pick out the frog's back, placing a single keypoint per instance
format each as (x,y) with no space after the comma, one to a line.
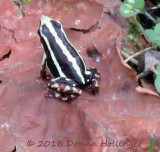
(61,54)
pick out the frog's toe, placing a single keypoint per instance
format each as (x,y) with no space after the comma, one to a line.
(64,96)
(69,97)
(94,86)
(76,91)
(95,80)
(65,89)
(50,95)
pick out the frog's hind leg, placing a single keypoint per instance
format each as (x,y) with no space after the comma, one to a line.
(63,88)
(95,80)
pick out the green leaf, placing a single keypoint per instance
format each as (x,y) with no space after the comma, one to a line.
(133,32)
(158,69)
(125,12)
(20,11)
(157,80)
(127,51)
(157,29)
(129,7)
(21,2)
(152,36)
(18,1)
(136,4)
(27,1)
(157,83)
(158,19)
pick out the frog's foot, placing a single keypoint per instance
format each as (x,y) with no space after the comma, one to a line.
(63,89)
(95,80)
(45,76)
(62,97)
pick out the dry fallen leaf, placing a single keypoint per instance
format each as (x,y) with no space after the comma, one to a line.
(152,59)
(118,112)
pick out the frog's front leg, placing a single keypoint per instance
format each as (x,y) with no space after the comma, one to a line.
(95,80)
(63,88)
(43,73)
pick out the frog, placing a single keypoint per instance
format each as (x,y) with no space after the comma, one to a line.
(68,74)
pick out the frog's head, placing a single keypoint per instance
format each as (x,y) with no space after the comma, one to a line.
(50,23)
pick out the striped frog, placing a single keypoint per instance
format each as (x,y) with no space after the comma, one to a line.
(65,65)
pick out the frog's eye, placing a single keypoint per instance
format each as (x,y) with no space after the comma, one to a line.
(56,24)
(44,29)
